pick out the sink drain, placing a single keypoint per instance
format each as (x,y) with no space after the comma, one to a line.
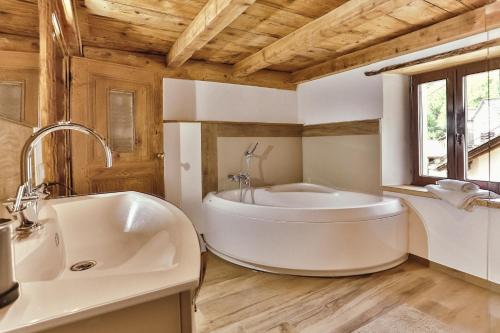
(83,265)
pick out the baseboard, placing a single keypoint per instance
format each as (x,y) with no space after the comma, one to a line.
(472,279)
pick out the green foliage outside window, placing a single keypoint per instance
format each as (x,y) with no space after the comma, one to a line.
(480,87)
(436,116)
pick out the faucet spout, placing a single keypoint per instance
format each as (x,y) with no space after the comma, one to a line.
(28,194)
(35,138)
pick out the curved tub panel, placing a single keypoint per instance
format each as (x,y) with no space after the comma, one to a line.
(335,246)
(308,241)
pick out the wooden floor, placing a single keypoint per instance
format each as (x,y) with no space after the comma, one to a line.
(409,298)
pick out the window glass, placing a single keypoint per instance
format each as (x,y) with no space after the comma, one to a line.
(482,101)
(432,103)
(11,100)
(121,121)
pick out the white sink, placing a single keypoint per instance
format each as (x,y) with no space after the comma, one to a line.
(143,248)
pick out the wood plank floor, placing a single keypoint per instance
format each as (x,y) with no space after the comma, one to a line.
(409,298)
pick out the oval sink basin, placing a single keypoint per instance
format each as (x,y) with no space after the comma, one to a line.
(125,248)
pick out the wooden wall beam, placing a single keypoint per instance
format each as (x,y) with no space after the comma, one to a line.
(47,84)
(445,56)
(17,43)
(467,24)
(338,20)
(66,14)
(210,21)
(358,127)
(192,70)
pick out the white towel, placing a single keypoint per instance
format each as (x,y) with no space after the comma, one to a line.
(457,185)
(461,200)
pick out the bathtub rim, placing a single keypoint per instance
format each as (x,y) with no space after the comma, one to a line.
(390,206)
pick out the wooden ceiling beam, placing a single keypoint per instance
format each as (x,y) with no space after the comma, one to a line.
(192,69)
(210,21)
(310,35)
(465,25)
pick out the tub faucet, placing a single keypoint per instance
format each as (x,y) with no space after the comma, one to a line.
(243,178)
(29,194)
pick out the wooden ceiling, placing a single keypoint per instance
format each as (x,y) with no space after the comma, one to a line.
(153,26)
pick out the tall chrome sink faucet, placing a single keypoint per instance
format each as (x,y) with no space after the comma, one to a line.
(28,193)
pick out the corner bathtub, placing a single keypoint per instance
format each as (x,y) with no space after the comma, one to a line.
(306,229)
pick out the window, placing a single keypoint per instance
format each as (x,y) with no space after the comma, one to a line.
(432,127)
(456,124)
(121,121)
(11,100)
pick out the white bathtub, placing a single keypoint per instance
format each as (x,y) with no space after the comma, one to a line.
(306,229)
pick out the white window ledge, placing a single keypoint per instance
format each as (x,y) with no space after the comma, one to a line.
(421,191)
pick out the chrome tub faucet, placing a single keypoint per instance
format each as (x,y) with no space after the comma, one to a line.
(243,178)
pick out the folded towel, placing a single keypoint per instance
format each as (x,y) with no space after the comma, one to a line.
(457,185)
(461,200)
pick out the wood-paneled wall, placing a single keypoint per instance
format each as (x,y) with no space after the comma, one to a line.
(24,66)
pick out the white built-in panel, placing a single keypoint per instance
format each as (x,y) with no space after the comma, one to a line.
(200,100)
(395,130)
(494,246)
(183,183)
(449,236)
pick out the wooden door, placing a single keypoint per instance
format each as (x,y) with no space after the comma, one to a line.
(123,104)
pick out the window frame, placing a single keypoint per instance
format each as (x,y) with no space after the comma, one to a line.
(416,80)
(455,119)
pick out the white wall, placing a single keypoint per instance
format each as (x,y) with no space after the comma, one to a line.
(350,162)
(352,95)
(183,182)
(200,100)
(179,99)
(342,97)
(395,129)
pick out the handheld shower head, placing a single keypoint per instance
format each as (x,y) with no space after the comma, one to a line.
(251,150)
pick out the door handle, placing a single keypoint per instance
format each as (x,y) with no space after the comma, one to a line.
(160,156)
